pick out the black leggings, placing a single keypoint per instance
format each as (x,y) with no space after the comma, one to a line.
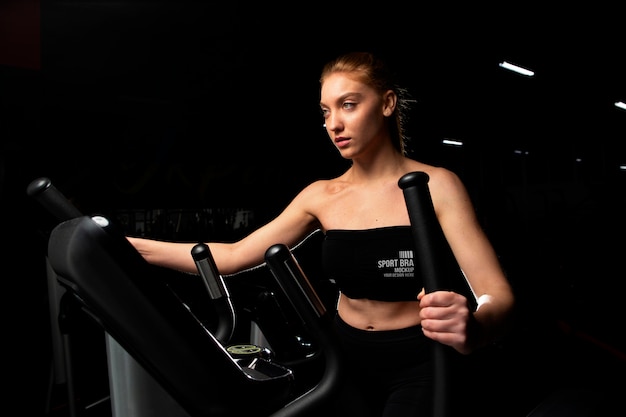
(389,373)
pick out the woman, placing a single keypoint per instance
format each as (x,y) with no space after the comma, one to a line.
(382,318)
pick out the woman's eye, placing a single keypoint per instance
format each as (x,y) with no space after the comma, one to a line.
(348,105)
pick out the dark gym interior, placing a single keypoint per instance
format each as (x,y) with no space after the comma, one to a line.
(189,120)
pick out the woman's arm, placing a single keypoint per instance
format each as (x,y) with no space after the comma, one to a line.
(291,226)
(453,323)
(173,255)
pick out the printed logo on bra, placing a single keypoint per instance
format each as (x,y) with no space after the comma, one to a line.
(400,267)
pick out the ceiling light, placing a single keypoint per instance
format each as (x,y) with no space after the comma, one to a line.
(452,142)
(516,68)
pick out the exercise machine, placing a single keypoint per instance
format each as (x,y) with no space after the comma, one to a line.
(145,320)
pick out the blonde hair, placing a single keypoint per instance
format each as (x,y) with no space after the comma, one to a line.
(374,72)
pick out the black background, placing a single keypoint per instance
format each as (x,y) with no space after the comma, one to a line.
(192,105)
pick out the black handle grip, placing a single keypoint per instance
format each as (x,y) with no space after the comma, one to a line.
(218,292)
(208,271)
(294,283)
(425,227)
(52,199)
(314,315)
(428,237)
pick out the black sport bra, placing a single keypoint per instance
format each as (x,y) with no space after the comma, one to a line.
(377,264)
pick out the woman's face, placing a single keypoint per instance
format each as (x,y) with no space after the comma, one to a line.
(354,115)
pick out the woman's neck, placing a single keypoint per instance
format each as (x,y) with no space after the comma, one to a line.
(386,163)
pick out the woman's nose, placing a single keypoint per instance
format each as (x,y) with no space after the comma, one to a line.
(331,123)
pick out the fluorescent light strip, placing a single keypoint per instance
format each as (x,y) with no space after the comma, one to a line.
(452,142)
(516,68)
(620,104)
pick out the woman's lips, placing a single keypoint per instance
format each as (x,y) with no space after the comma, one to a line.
(342,142)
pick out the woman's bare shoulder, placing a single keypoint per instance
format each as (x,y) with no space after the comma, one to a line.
(438,176)
(443,177)
(321,187)
(443,183)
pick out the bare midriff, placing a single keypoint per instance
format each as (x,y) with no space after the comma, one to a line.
(374,315)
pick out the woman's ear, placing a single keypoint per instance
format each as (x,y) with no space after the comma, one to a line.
(390,100)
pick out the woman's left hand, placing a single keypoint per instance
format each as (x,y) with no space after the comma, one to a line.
(446,318)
